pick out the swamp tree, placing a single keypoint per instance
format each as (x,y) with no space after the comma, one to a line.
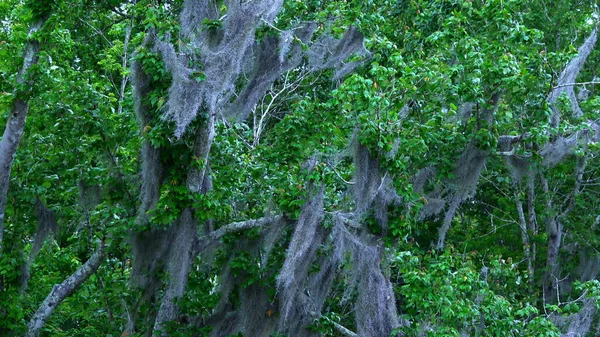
(302,168)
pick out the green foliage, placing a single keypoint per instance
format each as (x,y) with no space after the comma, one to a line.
(407,105)
(40,8)
(446,295)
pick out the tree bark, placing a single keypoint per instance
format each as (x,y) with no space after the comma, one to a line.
(524,234)
(554,231)
(13,130)
(532,223)
(65,289)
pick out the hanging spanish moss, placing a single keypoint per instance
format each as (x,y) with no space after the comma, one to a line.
(202,78)
(225,320)
(517,164)
(254,314)
(193,15)
(299,257)
(375,306)
(148,247)
(329,52)
(462,186)
(47,225)
(589,265)
(555,151)
(368,182)
(270,236)
(268,60)
(210,80)
(372,190)
(89,196)
(435,203)
(579,323)
(178,262)
(152,170)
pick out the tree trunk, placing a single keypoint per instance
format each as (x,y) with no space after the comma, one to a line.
(524,234)
(533,226)
(16,119)
(552,280)
(554,232)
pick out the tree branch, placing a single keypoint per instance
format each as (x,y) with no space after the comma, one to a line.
(574,84)
(65,289)
(343,330)
(238,226)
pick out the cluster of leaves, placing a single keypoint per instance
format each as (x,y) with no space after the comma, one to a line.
(444,295)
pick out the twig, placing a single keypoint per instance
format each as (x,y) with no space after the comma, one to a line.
(339,176)
(343,330)
(97,32)
(271,25)
(574,84)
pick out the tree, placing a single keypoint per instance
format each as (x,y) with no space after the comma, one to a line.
(20,107)
(300,168)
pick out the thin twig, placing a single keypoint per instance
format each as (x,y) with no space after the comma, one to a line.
(574,84)
(97,32)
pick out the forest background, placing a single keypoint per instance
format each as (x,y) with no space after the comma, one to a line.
(299,168)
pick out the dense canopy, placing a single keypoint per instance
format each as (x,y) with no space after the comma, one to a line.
(274,168)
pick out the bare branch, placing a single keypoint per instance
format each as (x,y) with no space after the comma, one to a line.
(100,33)
(125,78)
(568,78)
(574,84)
(343,330)
(238,226)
